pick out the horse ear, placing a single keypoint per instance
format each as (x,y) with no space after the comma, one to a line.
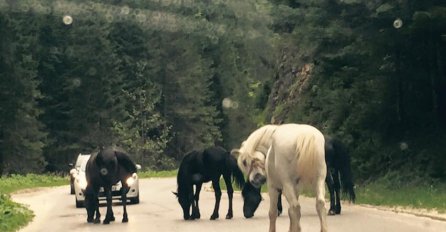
(176,194)
(235,152)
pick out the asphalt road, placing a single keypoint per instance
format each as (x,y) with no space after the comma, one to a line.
(159,211)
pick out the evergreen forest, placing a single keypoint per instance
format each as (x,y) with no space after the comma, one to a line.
(160,78)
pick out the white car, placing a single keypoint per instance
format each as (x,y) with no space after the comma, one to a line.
(80,183)
(81,158)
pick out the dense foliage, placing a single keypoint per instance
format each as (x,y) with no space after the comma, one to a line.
(147,76)
(160,78)
(373,74)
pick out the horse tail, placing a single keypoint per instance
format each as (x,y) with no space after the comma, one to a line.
(125,161)
(237,173)
(345,171)
(311,149)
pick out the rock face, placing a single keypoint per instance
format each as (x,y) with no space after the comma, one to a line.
(291,80)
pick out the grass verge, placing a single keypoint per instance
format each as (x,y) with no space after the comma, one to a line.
(383,193)
(431,197)
(150,174)
(13,216)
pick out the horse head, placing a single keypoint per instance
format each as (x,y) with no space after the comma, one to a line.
(185,198)
(252,164)
(251,199)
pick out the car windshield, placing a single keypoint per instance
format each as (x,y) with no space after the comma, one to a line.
(83,166)
(83,162)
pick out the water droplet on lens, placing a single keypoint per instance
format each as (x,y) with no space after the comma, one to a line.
(92,71)
(234,105)
(109,18)
(67,20)
(141,18)
(125,10)
(398,23)
(226,103)
(77,82)
(404,146)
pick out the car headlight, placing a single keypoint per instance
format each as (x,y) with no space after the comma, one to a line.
(131,180)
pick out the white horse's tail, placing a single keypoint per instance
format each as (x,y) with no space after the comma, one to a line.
(311,162)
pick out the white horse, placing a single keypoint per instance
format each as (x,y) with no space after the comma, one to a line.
(291,155)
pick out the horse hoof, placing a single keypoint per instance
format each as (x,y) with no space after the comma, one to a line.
(331,212)
(106,222)
(213,217)
(124,220)
(228,216)
(196,216)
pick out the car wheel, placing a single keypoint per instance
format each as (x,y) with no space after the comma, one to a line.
(79,204)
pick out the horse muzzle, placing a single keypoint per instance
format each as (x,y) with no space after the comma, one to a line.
(258,180)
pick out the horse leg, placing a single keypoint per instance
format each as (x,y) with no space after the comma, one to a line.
(320,204)
(330,185)
(291,193)
(109,215)
(274,195)
(337,189)
(230,191)
(216,186)
(124,191)
(279,203)
(195,208)
(98,214)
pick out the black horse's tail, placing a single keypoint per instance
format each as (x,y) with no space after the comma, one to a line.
(237,174)
(345,170)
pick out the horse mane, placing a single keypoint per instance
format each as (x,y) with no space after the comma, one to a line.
(236,171)
(183,174)
(259,140)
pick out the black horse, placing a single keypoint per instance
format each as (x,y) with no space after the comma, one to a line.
(198,167)
(105,169)
(338,170)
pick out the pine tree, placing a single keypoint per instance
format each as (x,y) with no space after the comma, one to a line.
(22,136)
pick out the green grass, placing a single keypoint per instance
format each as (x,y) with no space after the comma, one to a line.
(413,196)
(13,215)
(17,182)
(381,193)
(150,174)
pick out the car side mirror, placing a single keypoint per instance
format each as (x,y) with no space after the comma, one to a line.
(72,172)
(138,166)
